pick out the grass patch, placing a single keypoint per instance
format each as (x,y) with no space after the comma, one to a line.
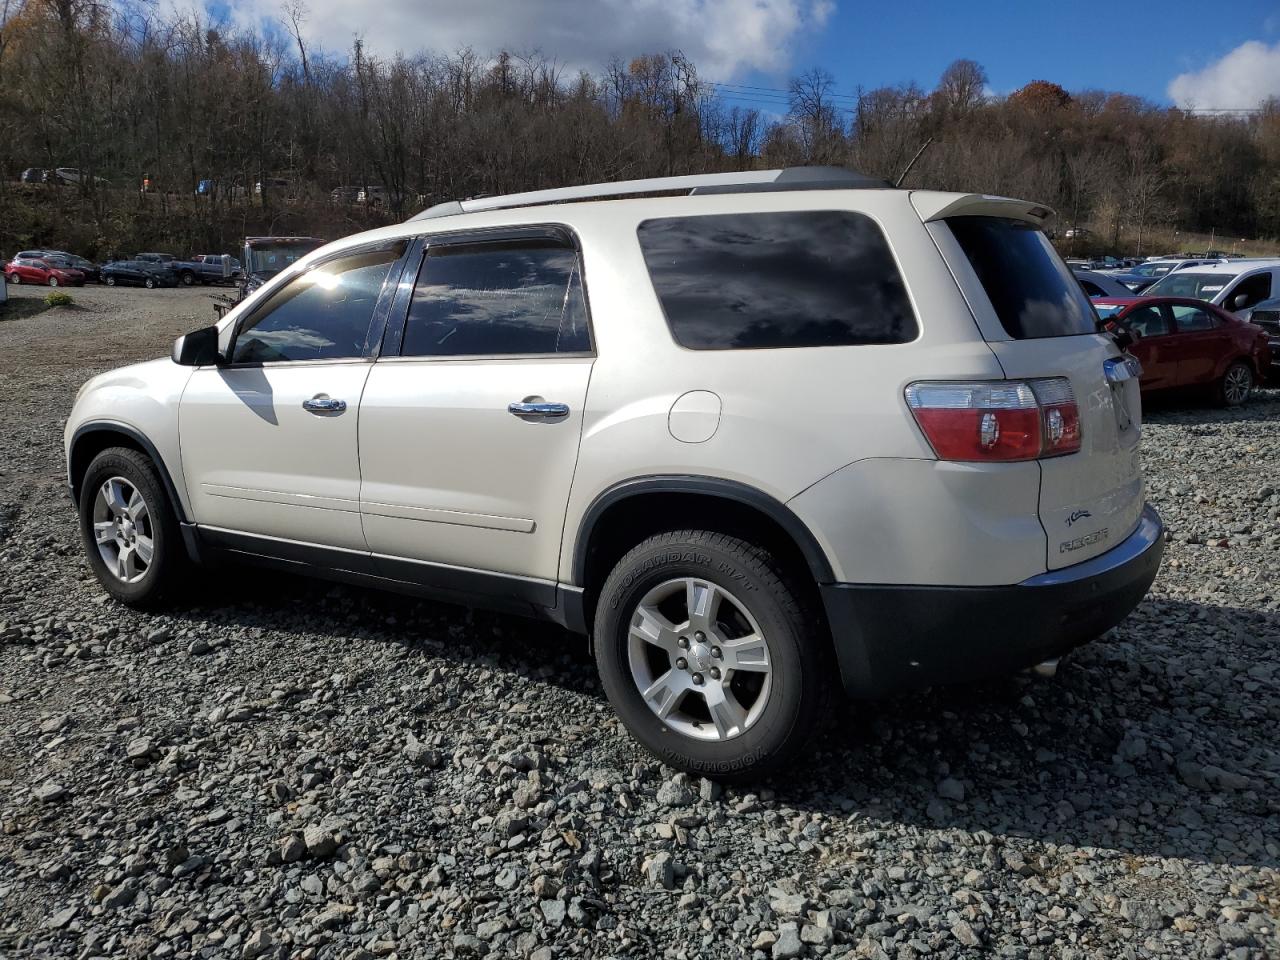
(58,298)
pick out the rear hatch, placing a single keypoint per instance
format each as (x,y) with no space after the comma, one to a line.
(1039,324)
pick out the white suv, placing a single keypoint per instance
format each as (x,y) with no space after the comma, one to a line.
(764,436)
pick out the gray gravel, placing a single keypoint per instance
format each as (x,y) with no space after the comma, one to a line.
(296,769)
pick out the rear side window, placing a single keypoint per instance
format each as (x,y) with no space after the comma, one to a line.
(768,280)
(1200,286)
(1033,292)
(495,299)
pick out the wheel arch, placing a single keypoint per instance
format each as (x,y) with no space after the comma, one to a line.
(93,437)
(626,513)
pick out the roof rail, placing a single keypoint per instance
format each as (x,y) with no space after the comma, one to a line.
(747,181)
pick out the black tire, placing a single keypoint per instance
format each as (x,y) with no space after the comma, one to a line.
(188,279)
(799,651)
(15,279)
(53,281)
(1236,384)
(169,561)
(149,283)
(110,281)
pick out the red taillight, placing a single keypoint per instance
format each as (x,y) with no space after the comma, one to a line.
(997,420)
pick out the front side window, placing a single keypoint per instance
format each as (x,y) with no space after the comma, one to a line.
(1030,288)
(1254,289)
(322,314)
(1148,321)
(773,280)
(498,299)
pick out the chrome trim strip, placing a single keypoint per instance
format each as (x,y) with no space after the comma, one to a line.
(276,496)
(1148,532)
(398,511)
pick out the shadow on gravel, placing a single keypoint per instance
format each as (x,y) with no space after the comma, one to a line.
(1147,742)
(1193,406)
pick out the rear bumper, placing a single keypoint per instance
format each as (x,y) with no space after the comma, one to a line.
(894,638)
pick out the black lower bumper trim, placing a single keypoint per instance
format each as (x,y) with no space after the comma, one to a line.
(894,638)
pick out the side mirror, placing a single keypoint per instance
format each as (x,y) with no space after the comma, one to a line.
(198,348)
(1240,301)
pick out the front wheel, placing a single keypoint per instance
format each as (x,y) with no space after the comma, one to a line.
(1236,384)
(150,284)
(53,281)
(15,279)
(129,529)
(110,281)
(708,655)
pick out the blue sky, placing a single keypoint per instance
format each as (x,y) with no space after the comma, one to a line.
(1136,47)
(1187,51)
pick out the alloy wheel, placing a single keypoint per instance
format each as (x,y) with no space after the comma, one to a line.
(1238,384)
(699,659)
(122,530)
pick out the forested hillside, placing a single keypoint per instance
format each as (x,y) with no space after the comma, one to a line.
(128,96)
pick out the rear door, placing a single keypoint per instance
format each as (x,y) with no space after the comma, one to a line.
(1038,323)
(1198,342)
(471,419)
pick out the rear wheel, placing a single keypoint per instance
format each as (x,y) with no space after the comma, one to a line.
(1236,384)
(53,281)
(708,656)
(188,279)
(149,283)
(128,527)
(110,281)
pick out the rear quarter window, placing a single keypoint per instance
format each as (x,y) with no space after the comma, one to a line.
(775,280)
(1033,292)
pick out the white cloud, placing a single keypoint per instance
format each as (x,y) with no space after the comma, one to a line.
(1242,79)
(724,38)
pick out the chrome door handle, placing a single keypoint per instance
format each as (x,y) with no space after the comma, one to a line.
(323,403)
(538,409)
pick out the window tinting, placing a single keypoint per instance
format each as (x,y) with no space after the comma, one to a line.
(498,299)
(769,280)
(1033,292)
(322,314)
(1254,289)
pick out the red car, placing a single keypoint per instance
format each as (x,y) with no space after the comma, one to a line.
(32,270)
(1190,343)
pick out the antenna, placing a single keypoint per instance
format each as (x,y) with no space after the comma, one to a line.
(919,154)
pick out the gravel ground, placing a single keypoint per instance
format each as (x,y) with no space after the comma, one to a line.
(295,769)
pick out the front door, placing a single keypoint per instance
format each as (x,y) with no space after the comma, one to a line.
(269,439)
(1198,343)
(470,425)
(1152,326)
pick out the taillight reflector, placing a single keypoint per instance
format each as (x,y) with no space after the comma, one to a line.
(997,420)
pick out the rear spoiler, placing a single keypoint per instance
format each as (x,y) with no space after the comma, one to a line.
(931,205)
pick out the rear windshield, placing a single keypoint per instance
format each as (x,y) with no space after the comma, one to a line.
(1107,309)
(757,281)
(1033,292)
(1188,283)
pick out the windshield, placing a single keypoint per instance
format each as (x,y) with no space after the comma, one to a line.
(1185,283)
(1033,292)
(267,261)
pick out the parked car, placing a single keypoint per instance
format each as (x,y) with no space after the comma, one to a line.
(203,268)
(1234,286)
(1267,316)
(274,185)
(1100,284)
(1183,342)
(72,261)
(1143,275)
(35,175)
(39,270)
(344,194)
(663,456)
(141,273)
(1077,233)
(71,175)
